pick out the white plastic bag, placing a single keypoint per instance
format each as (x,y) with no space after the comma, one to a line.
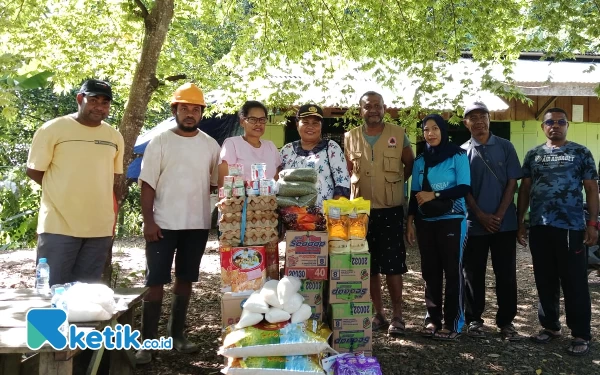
(294,303)
(276,315)
(89,302)
(287,287)
(269,293)
(248,319)
(303,313)
(256,304)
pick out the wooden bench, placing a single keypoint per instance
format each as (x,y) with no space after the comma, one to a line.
(14,304)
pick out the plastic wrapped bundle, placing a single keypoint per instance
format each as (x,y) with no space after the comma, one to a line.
(299,174)
(278,340)
(295,188)
(304,201)
(357,366)
(302,218)
(291,365)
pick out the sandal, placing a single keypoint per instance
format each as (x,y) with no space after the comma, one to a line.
(509,333)
(397,327)
(429,330)
(578,344)
(379,322)
(475,330)
(446,335)
(545,336)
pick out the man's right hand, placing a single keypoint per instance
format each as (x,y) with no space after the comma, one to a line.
(152,232)
(522,235)
(490,222)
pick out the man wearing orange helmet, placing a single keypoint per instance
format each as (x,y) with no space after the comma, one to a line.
(179,169)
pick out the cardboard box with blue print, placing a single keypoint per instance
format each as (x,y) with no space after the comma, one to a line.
(351,326)
(349,278)
(231,307)
(312,291)
(306,255)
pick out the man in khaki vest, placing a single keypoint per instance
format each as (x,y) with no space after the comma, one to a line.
(380,159)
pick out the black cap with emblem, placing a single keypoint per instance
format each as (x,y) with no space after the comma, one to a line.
(310,110)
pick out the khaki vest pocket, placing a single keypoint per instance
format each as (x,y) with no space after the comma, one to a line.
(355,159)
(391,161)
(393,190)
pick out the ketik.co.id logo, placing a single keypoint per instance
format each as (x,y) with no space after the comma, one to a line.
(44,325)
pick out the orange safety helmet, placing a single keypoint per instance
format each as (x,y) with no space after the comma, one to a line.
(188,93)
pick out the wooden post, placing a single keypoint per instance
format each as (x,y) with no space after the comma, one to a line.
(49,366)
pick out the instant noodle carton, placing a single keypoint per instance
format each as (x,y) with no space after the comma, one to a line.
(243,268)
(349,278)
(312,291)
(351,325)
(306,255)
(231,307)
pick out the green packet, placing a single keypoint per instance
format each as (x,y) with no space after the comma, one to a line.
(276,340)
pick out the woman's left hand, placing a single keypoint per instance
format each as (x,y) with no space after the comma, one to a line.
(425,196)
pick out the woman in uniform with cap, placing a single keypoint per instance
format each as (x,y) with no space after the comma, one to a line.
(326,156)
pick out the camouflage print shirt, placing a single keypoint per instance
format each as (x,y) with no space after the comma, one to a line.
(557,175)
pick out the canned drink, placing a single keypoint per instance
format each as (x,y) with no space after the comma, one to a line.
(265,187)
(239,191)
(228,182)
(259,171)
(227,192)
(221,192)
(238,182)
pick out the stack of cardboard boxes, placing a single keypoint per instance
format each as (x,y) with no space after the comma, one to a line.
(350,310)
(306,257)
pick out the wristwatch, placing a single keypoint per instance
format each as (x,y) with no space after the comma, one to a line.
(436,194)
(592,223)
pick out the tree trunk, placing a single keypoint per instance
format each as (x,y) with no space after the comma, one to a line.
(156,24)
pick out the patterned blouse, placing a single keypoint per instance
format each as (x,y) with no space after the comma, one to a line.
(329,161)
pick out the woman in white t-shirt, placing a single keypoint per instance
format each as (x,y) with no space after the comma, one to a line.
(249,149)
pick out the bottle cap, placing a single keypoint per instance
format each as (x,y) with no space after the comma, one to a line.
(59,290)
(42,260)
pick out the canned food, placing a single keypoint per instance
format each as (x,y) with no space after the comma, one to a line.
(236,169)
(238,182)
(239,191)
(227,192)
(250,192)
(228,182)
(259,171)
(221,192)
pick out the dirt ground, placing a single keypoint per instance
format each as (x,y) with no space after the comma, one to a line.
(409,355)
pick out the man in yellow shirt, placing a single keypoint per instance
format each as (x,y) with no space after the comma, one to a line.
(75,158)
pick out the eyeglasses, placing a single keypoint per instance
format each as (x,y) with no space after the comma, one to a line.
(256,120)
(561,122)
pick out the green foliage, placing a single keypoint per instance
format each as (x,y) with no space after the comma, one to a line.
(19,197)
(130,214)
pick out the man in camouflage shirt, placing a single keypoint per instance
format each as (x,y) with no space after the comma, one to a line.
(553,176)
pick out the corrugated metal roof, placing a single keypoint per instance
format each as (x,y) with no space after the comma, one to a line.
(348,82)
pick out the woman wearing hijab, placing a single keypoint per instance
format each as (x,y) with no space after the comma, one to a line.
(441,181)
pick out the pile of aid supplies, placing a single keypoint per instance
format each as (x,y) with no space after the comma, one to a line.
(275,336)
(317,318)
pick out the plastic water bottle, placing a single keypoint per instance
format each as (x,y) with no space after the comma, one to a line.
(58,302)
(42,277)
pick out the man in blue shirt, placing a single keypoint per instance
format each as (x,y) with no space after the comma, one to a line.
(495,169)
(553,176)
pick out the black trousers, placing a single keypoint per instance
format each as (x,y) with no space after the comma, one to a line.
(560,259)
(441,245)
(503,247)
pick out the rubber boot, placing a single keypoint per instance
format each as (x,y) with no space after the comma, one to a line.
(176,325)
(150,318)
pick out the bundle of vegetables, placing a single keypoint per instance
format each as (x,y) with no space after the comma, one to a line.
(297,187)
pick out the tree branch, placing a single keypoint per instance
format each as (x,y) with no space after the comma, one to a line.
(176,77)
(142,7)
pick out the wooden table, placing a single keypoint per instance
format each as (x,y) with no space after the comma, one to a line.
(14,304)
